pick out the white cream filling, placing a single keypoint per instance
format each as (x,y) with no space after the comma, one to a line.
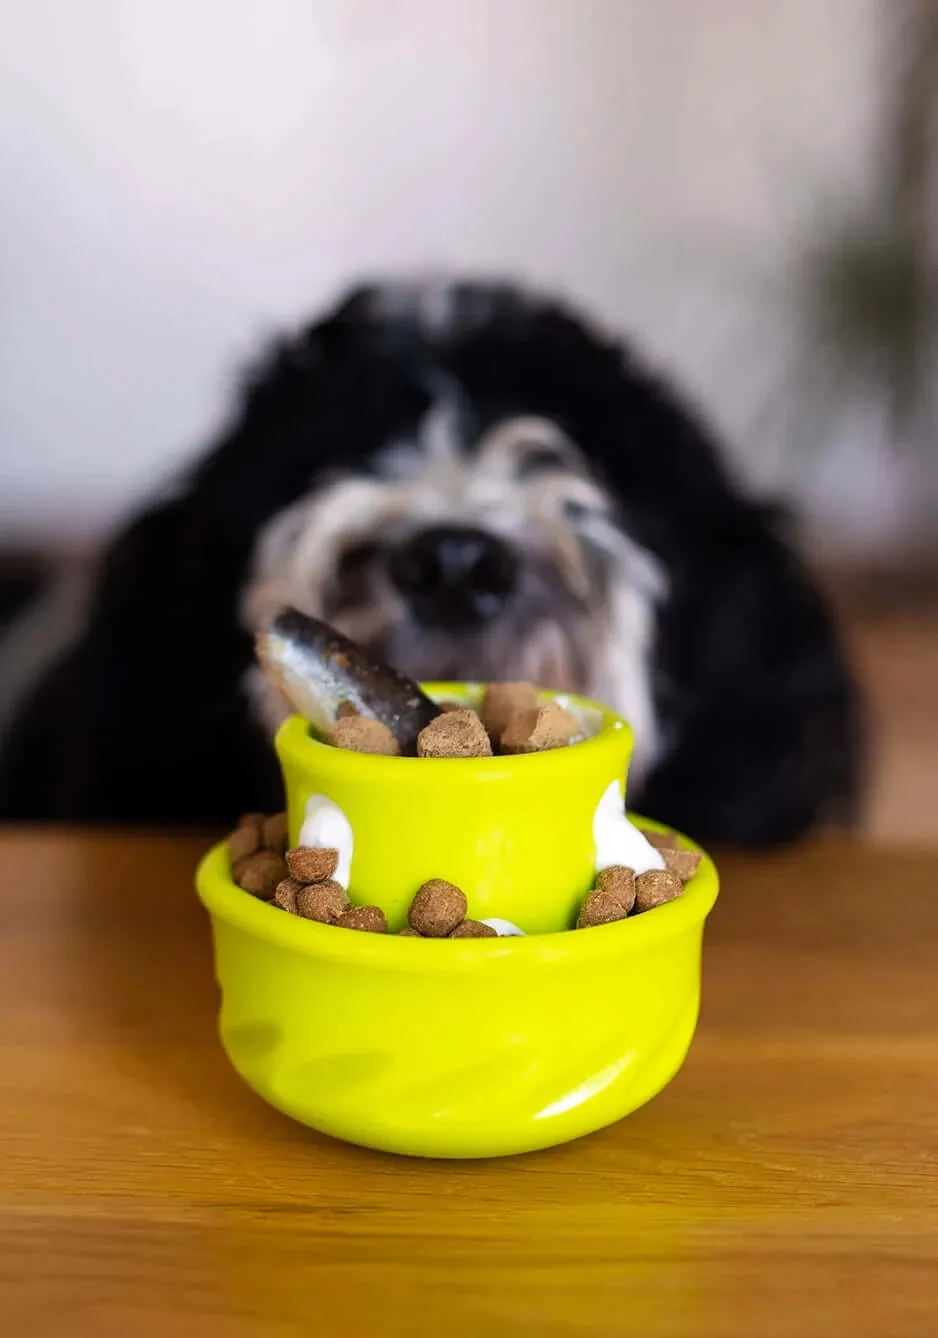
(591,720)
(503,928)
(619,841)
(326,827)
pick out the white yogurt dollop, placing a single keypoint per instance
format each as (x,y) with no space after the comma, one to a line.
(503,928)
(326,827)
(590,719)
(619,841)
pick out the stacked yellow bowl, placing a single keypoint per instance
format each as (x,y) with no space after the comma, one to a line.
(475,1047)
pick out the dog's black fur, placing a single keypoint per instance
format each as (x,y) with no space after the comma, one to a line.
(145,720)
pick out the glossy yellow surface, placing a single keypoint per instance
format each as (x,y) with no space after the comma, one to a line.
(515,833)
(469,1048)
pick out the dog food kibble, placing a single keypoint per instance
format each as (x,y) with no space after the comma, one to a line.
(256,833)
(408,933)
(656,887)
(684,863)
(618,882)
(243,842)
(499,703)
(259,874)
(312,864)
(661,840)
(473,929)
(345,710)
(324,902)
(274,833)
(600,908)
(362,735)
(619,891)
(539,729)
(369,918)
(437,909)
(285,894)
(516,734)
(252,820)
(454,734)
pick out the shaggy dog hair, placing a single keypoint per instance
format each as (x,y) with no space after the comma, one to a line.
(477,484)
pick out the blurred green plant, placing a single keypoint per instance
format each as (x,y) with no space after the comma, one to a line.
(871,309)
(868,291)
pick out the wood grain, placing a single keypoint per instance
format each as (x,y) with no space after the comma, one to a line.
(786,1183)
(896,658)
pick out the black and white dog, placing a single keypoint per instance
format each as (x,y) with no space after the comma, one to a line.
(478,485)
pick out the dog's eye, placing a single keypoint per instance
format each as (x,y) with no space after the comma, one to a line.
(357,557)
(575,511)
(352,569)
(539,459)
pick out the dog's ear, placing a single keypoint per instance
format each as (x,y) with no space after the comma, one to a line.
(762,717)
(180,564)
(325,399)
(142,718)
(164,652)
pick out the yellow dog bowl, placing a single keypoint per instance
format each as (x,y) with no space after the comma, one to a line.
(444,1048)
(515,833)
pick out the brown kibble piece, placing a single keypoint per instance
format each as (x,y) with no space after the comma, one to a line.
(619,882)
(312,864)
(259,874)
(243,842)
(446,707)
(542,728)
(437,909)
(600,908)
(499,703)
(656,887)
(285,894)
(519,729)
(661,840)
(556,727)
(454,734)
(345,711)
(473,929)
(408,933)
(238,868)
(252,820)
(274,833)
(324,902)
(369,918)
(684,863)
(360,734)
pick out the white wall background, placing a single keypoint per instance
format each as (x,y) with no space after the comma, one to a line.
(179,177)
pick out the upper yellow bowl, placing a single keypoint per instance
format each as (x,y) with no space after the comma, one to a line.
(444,1048)
(515,833)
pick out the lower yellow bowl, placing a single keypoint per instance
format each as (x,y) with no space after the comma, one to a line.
(469,1048)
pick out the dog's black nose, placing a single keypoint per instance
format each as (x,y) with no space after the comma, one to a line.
(454,575)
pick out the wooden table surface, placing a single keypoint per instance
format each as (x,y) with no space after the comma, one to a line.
(786,1183)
